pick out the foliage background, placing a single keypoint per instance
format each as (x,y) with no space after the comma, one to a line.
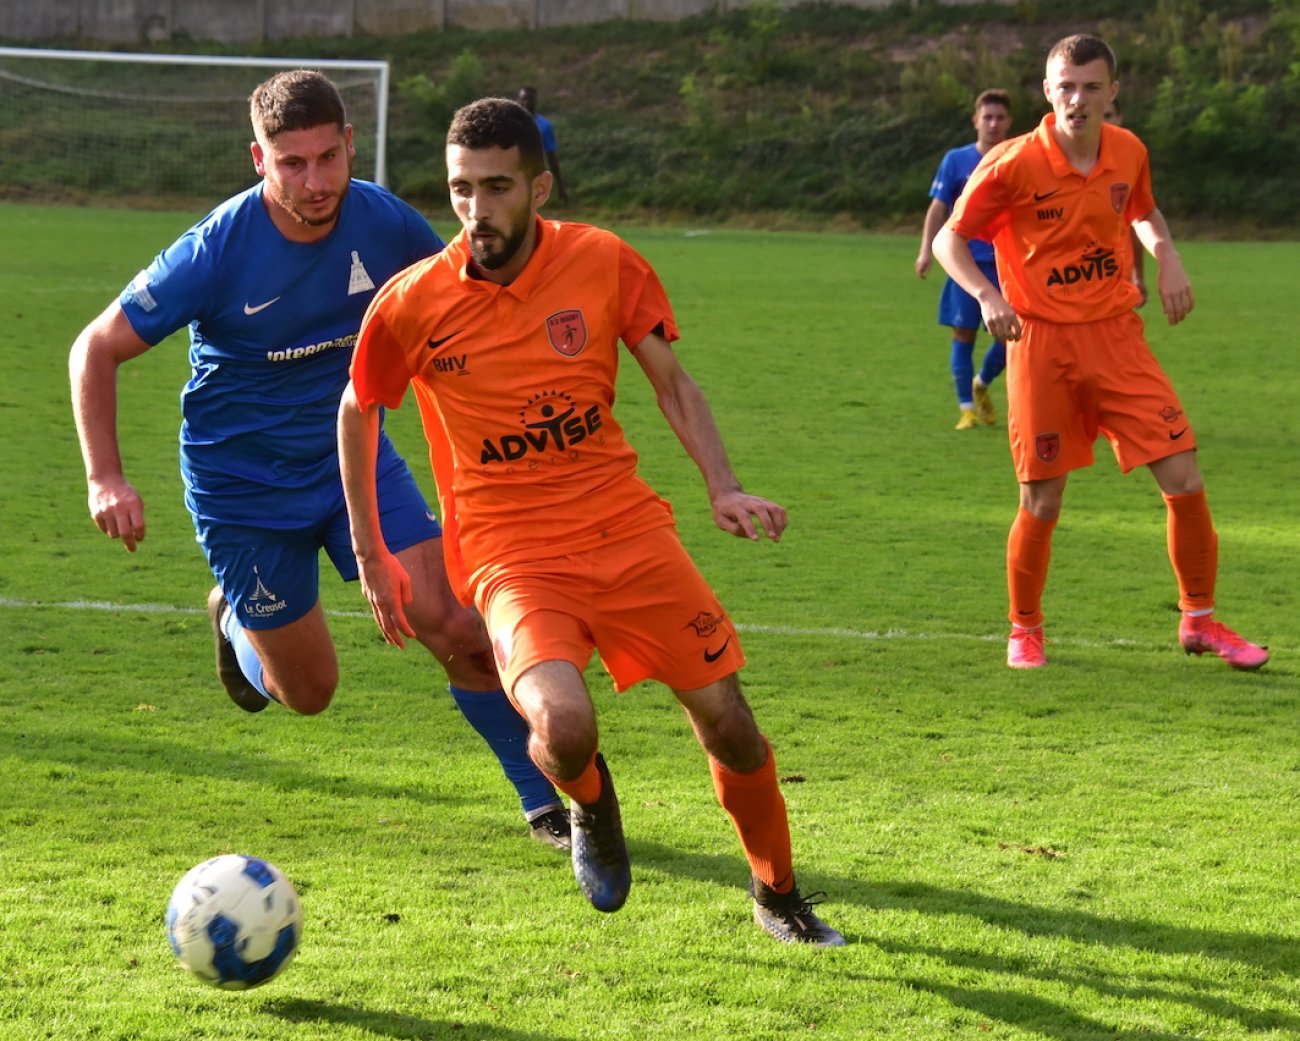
(827,116)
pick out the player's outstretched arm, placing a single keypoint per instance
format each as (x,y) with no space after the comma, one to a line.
(687,411)
(97,353)
(1172,283)
(384,581)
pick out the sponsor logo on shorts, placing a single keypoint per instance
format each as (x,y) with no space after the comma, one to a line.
(262,603)
(567,331)
(1175,435)
(1096,264)
(553,426)
(1171,415)
(1047,447)
(706,624)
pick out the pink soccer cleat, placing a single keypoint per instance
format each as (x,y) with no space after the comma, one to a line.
(1025,648)
(1198,635)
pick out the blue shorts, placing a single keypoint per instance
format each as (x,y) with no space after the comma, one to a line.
(957,307)
(272,575)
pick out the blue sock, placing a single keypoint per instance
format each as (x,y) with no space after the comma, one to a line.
(249,663)
(963,370)
(994,362)
(506,732)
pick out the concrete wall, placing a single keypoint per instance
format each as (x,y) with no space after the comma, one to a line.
(126,22)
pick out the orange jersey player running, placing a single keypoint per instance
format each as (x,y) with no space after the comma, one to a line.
(510,340)
(1058,204)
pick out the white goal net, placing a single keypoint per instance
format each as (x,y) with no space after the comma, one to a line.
(154,130)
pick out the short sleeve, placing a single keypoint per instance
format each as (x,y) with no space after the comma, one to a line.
(172,291)
(643,303)
(380,371)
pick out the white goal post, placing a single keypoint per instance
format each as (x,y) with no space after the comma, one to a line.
(155,129)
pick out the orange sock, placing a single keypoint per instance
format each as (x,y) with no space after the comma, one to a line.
(585,788)
(1193,549)
(757,809)
(1029,550)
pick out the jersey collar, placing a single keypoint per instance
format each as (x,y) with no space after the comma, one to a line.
(1061,165)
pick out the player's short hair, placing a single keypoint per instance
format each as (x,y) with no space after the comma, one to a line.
(499,123)
(1080,49)
(993,97)
(297,100)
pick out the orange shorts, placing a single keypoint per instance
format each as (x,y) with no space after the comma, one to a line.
(1068,383)
(640,602)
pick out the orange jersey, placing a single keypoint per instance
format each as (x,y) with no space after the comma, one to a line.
(515,386)
(1061,237)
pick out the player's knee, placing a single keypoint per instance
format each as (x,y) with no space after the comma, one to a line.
(306,695)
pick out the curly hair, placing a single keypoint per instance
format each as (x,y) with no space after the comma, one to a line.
(499,123)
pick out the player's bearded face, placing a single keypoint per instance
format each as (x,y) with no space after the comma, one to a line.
(496,201)
(307,173)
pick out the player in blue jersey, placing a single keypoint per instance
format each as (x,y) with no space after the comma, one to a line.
(527,97)
(273,285)
(957,308)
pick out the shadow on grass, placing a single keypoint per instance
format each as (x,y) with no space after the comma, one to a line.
(1266,952)
(396,1024)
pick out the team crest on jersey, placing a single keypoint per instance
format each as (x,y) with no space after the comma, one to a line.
(1047,447)
(1118,196)
(567,331)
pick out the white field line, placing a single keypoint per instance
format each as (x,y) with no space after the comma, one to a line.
(835,632)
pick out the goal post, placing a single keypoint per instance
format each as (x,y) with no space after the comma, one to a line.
(155,129)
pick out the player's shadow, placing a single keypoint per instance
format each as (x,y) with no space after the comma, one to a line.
(1264,950)
(396,1024)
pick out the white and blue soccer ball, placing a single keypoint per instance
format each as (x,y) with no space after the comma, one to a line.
(234,921)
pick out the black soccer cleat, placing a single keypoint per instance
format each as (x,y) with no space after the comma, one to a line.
(600,861)
(241,692)
(790,917)
(552,828)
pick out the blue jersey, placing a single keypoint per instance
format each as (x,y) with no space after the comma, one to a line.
(548,133)
(954,171)
(272,326)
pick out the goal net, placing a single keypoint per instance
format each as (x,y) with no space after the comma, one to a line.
(154,130)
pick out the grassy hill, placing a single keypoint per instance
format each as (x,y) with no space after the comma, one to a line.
(834,117)
(837,116)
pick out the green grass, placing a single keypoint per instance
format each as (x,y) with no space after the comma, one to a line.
(1106,849)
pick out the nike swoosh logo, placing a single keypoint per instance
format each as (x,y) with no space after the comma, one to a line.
(712,656)
(435,344)
(1040,196)
(1175,437)
(250,309)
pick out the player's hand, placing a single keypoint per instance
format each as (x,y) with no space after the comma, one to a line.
(117,510)
(1000,319)
(1175,290)
(388,588)
(922,265)
(736,512)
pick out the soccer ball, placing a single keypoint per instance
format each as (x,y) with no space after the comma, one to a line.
(234,921)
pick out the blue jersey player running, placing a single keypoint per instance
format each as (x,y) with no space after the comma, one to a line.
(273,285)
(957,308)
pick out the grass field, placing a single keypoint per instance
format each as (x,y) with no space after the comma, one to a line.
(1104,849)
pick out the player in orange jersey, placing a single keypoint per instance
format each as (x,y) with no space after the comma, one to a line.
(1058,204)
(510,340)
